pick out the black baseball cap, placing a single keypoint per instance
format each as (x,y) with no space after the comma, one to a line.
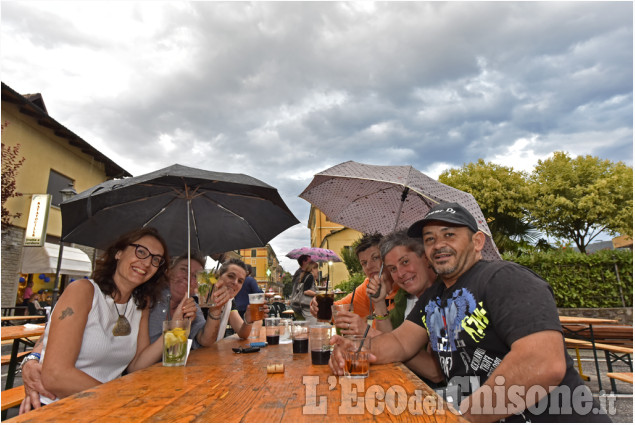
(450,212)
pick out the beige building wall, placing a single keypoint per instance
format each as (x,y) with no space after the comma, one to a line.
(46,145)
(263,259)
(333,236)
(44,152)
(338,241)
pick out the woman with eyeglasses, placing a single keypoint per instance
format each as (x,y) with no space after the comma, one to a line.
(99,327)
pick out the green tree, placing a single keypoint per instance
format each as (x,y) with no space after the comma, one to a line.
(288,286)
(11,162)
(577,199)
(350,260)
(502,194)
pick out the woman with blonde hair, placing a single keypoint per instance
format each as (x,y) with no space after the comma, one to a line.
(308,279)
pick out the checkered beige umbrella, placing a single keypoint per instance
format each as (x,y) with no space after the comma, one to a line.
(377,198)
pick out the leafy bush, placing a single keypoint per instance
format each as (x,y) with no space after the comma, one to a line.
(584,280)
(349,285)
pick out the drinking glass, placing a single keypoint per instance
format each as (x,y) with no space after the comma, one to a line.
(272,325)
(205,281)
(337,308)
(324,301)
(319,341)
(285,331)
(256,306)
(175,334)
(300,337)
(356,353)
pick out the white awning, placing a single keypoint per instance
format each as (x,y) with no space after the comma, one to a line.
(43,259)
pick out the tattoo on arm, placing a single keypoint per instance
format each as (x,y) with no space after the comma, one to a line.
(67,312)
(38,344)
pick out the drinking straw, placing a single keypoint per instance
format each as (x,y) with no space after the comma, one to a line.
(169,307)
(350,306)
(361,344)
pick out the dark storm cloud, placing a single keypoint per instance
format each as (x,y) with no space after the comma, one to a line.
(283,90)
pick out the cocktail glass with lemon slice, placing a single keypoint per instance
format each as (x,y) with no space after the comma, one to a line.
(205,281)
(175,334)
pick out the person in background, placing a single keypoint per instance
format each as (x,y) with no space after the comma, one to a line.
(35,309)
(307,286)
(99,327)
(296,293)
(43,298)
(250,286)
(28,292)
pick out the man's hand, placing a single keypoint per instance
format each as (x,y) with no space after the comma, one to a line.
(376,289)
(248,319)
(350,323)
(186,309)
(32,379)
(314,307)
(222,294)
(337,362)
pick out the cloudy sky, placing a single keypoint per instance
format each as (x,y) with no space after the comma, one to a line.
(281,91)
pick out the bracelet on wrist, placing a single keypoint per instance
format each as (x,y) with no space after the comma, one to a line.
(211,316)
(381,316)
(31,356)
(247,323)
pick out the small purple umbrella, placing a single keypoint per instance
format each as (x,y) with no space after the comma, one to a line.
(319,255)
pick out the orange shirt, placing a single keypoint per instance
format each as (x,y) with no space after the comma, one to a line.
(361,302)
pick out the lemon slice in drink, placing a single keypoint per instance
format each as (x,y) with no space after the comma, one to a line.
(179,333)
(170,339)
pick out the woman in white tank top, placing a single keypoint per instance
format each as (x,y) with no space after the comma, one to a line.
(99,327)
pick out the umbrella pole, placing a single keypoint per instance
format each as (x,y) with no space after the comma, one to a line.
(404,195)
(189,274)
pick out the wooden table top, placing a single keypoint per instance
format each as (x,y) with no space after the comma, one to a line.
(13,332)
(218,385)
(5,318)
(569,320)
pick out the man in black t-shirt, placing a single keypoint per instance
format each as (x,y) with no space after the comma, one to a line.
(494,328)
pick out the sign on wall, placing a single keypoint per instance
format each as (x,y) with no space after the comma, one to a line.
(38,220)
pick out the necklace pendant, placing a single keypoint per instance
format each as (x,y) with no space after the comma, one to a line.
(122,327)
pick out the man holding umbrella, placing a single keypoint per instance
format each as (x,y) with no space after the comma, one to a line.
(494,327)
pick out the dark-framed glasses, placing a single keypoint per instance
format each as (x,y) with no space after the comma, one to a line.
(142,253)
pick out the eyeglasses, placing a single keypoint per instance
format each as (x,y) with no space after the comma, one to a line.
(142,253)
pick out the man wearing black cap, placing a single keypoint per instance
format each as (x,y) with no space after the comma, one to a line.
(493,326)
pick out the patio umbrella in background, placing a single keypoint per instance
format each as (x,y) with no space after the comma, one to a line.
(317,254)
(376,198)
(193,209)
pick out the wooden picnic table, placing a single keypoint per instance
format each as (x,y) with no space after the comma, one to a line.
(10,318)
(19,335)
(6,310)
(218,385)
(583,324)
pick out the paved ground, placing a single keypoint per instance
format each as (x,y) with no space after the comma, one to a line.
(619,405)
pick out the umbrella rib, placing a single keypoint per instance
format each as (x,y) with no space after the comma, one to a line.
(236,215)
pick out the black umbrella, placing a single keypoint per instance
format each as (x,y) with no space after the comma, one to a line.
(193,209)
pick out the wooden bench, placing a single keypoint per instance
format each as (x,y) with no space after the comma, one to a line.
(7,357)
(622,376)
(11,398)
(608,334)
(613,353)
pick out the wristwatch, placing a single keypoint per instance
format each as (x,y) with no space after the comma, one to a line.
(31,356)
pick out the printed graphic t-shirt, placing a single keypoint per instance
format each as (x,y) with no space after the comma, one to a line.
(473,324)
